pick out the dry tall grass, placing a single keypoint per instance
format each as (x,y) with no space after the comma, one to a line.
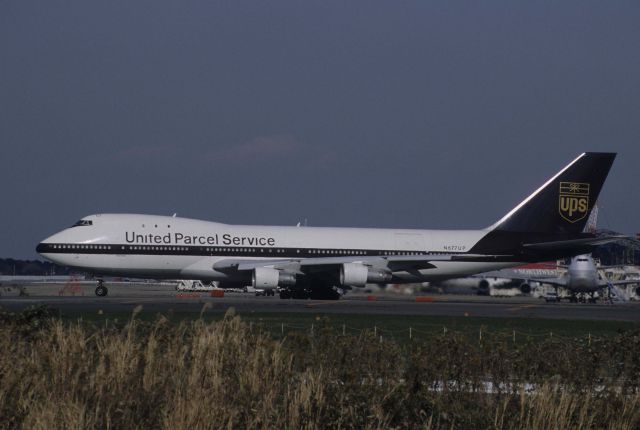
(225,375)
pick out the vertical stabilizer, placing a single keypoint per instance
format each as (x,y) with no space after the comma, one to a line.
(563,204)
(557,211)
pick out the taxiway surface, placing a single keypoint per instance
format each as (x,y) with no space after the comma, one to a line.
(153,298)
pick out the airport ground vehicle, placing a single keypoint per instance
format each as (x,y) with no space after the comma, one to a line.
(193,285)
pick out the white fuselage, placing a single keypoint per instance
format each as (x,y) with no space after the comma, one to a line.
(582,275)
(152,246)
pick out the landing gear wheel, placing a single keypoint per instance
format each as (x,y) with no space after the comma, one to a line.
(285,294)
(301,294)
(101,290)
(325,294)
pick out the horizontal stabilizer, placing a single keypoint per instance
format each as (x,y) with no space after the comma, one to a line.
(572,244)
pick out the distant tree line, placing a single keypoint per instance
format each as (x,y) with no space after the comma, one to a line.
(11,267)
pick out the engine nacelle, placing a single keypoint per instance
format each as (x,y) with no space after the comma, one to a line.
(267,277)
(378,277)
(525,288)
(484,288)
(286,279)
(354,274)
(357,275)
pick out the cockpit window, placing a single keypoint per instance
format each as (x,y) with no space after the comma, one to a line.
(83,222)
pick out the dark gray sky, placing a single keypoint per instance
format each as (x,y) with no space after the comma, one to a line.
(411,114)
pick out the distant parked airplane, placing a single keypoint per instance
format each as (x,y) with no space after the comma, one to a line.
(517,277)
(582,276)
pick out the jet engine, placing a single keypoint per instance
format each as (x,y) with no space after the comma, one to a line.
(357,275)
(525,288)
(267,277)
(483,287)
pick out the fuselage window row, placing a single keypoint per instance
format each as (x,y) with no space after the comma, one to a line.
(82,247)
(221,250)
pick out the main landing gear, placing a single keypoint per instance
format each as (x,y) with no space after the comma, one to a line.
(101,290)
(583,298)
(317,293)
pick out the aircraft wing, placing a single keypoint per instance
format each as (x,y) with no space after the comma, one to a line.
(624,282)
(562,282)
(556,282)
(392,263)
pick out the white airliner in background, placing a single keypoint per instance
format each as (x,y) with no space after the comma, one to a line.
(582,276)
(314,262)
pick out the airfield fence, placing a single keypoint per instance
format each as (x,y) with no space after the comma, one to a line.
(418,333)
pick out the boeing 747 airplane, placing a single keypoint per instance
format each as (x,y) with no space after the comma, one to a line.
(582,276)
(314,262)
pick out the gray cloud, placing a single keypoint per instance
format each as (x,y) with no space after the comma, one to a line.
(259,150)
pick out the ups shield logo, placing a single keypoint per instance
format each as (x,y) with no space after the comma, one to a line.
(574,201)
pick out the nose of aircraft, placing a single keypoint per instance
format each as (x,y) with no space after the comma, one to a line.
(41,248)
(46,245)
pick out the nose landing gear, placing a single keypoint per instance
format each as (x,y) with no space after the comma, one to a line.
(101,290)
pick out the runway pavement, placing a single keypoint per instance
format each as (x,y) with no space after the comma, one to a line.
(155,298)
